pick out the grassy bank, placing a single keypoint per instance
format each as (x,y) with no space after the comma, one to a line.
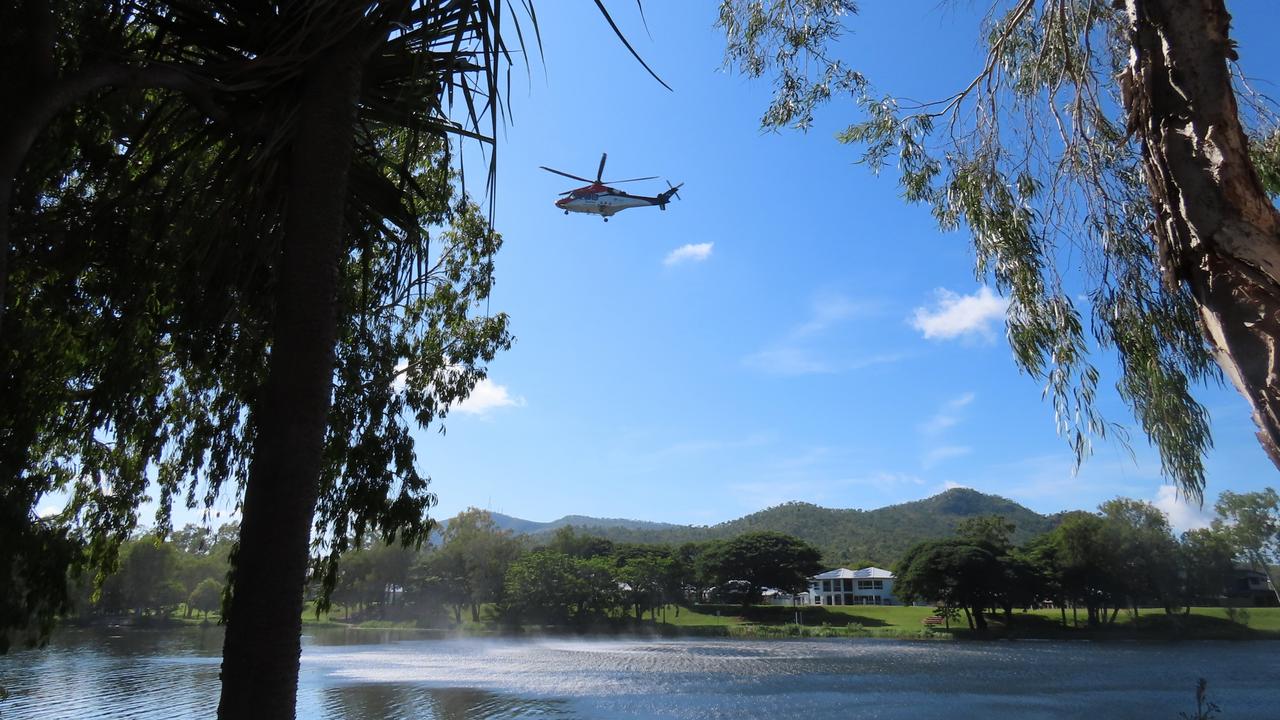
(762,621)
(870,621)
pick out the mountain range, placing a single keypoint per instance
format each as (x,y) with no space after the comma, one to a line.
(845,536)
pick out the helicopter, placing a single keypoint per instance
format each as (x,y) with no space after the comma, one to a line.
(600,199)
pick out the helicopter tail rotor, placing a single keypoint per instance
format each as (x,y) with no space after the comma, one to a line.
(665,196)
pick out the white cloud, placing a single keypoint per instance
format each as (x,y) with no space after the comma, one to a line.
(943,453)
(487,396)
(957,315)
(953,485)
(693,252)
(1182,514)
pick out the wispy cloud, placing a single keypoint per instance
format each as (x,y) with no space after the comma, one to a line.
(796,352)
(947,416)
(939,454)
(935,429)
(1182,514)
(693,447)
(954,315)
(1053,479)
(488,396)
(693,252)
(823,489)
(787,360)
(828,309)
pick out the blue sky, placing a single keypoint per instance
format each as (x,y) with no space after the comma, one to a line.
(789,330)
(817,339)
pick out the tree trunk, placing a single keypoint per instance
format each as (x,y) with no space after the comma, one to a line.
(1261,562)
(475,612)
(262,646)
(979,620)
(1216,229)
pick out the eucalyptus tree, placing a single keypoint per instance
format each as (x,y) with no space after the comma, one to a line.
(1147,555)
(1102,150)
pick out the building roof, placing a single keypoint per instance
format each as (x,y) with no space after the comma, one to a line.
(866,573)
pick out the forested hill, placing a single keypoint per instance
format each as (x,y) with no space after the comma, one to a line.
(845,537)
(533,527)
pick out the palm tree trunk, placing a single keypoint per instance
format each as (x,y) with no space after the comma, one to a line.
(262,646)
(1216,229)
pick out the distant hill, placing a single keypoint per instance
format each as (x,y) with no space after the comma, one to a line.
(845,537)
(533,527)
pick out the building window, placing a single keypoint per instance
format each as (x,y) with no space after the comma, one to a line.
(826,586)
(817,599)
(848,585)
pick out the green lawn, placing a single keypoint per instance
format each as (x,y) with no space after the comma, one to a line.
(899,621)
(880,621)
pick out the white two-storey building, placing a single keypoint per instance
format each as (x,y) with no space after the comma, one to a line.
(842,586)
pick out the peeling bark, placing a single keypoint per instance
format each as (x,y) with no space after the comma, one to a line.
(1216,229)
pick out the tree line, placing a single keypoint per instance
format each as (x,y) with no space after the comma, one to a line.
(1123,557)
(1095,564)
(469,566)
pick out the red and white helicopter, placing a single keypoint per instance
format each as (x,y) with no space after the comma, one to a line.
(600,199)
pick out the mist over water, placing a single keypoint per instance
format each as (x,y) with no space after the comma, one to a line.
(357,676)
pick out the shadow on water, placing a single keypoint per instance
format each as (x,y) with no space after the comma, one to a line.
(405,702)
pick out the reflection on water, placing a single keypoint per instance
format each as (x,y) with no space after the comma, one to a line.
(357,676)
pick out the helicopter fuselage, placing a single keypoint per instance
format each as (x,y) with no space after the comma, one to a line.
(604,200)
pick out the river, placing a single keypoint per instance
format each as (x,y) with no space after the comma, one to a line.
(173,674)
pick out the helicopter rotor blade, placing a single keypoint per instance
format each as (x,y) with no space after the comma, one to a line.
(615,182)
(558,172)
(600,171)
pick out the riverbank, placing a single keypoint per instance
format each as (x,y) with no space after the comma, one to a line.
(897,622)
(772,622)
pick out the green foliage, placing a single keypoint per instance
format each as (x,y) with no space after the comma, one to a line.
(953,573)
(146,229)
(763,559)
(1145,552)
(990,531)
(34,555)
(1251,522)
(146,568)
(207,597)
(567,541)
(542,586)
(1207,565)
(470,567)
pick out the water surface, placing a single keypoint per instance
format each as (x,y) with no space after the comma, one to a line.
(362,676)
